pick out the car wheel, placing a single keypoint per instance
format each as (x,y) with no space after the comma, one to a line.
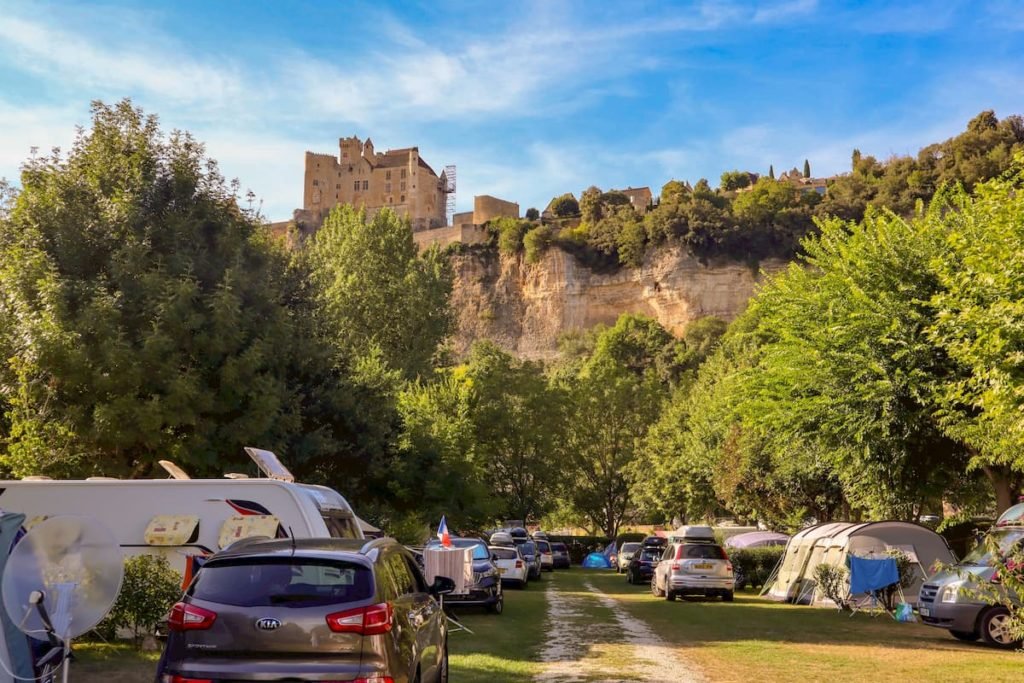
(966,636)
(442,675)
(654,587)
(995,628)
(670,596)
(497,607)
(727,596)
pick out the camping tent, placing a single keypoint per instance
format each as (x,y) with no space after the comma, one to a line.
(756,539)
(833,543)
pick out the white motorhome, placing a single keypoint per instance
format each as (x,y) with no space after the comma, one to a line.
(182,518)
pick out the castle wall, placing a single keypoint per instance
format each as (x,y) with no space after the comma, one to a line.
(486,207)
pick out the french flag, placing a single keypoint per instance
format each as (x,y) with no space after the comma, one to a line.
(442,533)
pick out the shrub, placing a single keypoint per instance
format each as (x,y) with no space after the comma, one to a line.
(149,590)
(565,205)
(532,214)
(536,242)
(832,581)
(753,566)
(510,234)
(890,595)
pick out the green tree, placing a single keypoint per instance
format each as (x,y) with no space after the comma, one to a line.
(771,171)
(807,168)
(147,309)
(565,206)
(537,241)
(532,214)
(735,180)
(518,423)
(590,204)
(979,321)
(374,292)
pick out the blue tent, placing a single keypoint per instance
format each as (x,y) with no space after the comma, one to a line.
(596,561)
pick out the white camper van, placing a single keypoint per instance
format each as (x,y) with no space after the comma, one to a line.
(182,518)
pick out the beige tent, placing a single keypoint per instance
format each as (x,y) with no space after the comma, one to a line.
(833,543)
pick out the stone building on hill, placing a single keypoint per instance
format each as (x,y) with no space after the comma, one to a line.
(640,197)
(468,226)
(398,179)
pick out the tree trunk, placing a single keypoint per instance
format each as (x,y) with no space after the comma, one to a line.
(1003,484)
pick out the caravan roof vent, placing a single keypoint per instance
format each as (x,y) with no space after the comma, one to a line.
(173,470)
(37,477)
(236,475)
(102,479)
(270,464)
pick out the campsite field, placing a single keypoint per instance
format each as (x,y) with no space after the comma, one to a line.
(609,630)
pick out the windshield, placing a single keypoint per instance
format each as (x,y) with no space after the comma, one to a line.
(981,557)
(480,551)
(630,547)
(544,546)
(288,582)
(650,554)
(505,553)
(529,548)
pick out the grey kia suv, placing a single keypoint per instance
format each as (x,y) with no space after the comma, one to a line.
(308,610)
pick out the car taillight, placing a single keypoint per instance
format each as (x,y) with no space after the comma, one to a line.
(366,621)
(676,566)
(185,617)
(519,564)
(374,679)
(728,567)
(185,679)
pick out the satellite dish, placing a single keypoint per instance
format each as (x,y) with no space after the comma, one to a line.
(62,578)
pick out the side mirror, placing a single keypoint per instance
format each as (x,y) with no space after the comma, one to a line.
(442,586)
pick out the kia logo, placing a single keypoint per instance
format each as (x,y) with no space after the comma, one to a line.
(267,624)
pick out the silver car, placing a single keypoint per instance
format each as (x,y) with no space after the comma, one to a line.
(693,568)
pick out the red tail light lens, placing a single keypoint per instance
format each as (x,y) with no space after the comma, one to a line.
(728,566)
(185,679)
(375,679)
(366,621)
(519,564)
(676,566)
(185,617)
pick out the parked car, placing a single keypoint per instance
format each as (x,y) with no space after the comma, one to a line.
(547,559)
(946,599)
(532,557)
(486,588)
(560,556)
(641,565)
(303,609)
(697,567)
(511,565)
(625,554)
(539,535)
(656,541)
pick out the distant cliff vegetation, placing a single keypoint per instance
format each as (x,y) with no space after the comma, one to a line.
(749,218)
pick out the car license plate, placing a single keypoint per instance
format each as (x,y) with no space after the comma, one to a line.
(925,612)
(703,566)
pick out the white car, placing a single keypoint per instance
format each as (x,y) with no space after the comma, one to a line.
(696,567)
(511,565)
(547,557)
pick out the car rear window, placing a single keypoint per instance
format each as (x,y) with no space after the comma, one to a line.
(289,582)
(630,547)
(544,546)
(559,547)
(506,553)
(700,551)
(529,548)
(650,554)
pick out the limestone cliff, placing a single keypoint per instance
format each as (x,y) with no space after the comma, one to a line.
(525,307)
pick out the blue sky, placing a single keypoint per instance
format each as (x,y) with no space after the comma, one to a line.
(529,100)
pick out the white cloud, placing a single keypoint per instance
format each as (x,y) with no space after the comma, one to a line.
(68,57)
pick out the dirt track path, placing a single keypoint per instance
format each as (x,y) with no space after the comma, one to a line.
(592,639)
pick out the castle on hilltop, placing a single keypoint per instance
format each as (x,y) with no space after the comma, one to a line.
(398,179)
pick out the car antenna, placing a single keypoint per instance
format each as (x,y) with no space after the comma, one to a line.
(291,534)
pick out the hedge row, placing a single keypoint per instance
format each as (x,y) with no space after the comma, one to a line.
(755,565)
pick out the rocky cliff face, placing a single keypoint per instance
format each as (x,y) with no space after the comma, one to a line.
(525,308)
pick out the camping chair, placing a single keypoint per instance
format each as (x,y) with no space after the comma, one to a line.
(868,577)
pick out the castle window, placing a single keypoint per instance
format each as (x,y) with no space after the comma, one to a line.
(402,199)
(403,172)
(403,186)
(366,184)
(387,175)
(338,186)
(356,188)
(349,169)
(315,183)
(387,187)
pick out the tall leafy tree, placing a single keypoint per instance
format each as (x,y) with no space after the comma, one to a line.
(145,309)
(374,292)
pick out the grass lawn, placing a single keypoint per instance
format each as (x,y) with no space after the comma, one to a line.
(101,663)
(753,638)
